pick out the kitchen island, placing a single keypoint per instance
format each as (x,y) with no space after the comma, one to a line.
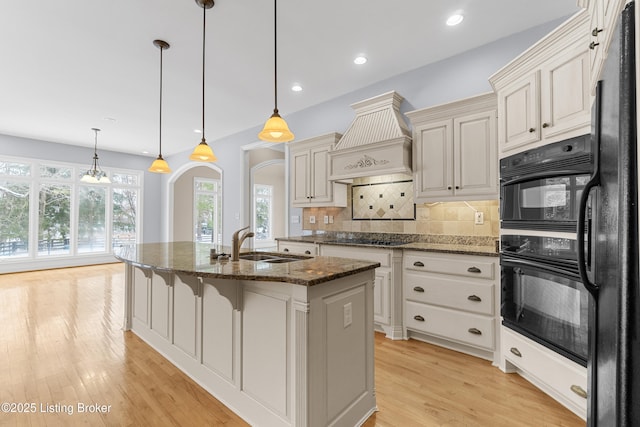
(282,343)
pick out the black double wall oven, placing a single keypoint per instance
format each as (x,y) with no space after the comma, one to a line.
(542,295)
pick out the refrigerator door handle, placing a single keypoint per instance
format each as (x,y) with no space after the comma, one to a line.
(582,210)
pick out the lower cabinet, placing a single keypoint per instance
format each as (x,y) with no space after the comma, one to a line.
(559,377)
(453,300)
(387,287)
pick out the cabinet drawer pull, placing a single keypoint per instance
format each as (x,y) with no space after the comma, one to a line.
(532,130)
(515,351)
(475,331)
(474,270)
(418,264)
(418,318)
(593,45)
(579,391)
(307,252)
(475,298)
(285,250)
(595,31)
(418,289)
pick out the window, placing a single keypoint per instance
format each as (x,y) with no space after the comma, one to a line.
(263,213)
(207,210)
(48,212)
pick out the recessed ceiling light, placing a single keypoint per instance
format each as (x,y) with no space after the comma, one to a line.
(296,88)
(197,131)
(109,119)
(359,60)
(455,19)
(145,152)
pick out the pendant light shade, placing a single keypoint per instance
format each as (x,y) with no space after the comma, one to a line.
(275,129)
(160,165)
(202,152)
(95,175)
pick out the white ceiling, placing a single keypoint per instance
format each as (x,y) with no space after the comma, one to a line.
(69,65)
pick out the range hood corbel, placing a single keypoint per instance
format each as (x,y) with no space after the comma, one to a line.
(377,142)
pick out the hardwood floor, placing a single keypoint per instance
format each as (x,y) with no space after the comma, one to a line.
(62,347)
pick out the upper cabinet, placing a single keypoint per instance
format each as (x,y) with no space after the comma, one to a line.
(309,171)
(544,94)
(455,150)
(603,14)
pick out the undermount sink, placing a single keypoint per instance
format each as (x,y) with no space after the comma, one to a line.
(256,257)
(272,258)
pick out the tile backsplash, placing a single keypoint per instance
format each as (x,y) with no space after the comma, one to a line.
(439,218)
(383,201)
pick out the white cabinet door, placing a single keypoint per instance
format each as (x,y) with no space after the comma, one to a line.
(434,160)
(319,182)
(381,296)
(565,98)
(475,154)
(299,177)
(519,113)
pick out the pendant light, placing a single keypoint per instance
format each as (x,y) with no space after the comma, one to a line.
(275,129)
(202,152)
(160,165)
(95,175)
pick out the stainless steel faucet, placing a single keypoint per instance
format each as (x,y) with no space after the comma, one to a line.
(237,242)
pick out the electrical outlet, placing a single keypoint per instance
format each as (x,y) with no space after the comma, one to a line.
(479,218)
(330,219)
(348,314)
(326,219)
(295,219)
(312,219)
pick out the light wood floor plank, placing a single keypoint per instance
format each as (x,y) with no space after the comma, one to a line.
(62,342)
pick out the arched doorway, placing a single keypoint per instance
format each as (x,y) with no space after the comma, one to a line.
(195,204)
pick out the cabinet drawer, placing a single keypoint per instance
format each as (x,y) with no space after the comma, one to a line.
(562,375)
(477,297)
(460,265)
(383,256)
(466,328)
(297,247)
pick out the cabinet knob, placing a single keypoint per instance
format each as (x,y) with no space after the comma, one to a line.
(475,331)
(532,130)
(418,289)
(418,264)
(579,391)
(449,188)
(418,318)
(515,351)
(285,250)
(474,270)
(545,125)
(457,187)
(307,252)
(593,45)
(475,298)
(595,31)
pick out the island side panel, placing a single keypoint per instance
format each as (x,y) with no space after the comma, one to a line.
(341,363)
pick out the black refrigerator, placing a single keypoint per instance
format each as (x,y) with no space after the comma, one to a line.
(608,240)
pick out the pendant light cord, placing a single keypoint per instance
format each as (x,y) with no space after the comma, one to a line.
(275,56)
(204,26)
(160,125)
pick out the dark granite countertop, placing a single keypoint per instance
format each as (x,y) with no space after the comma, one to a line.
(466,245)
(193,259)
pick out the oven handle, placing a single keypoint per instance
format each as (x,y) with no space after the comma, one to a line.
(540,175)
(582,209)
(545,268)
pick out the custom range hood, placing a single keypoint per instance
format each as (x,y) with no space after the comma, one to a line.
(378,142)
